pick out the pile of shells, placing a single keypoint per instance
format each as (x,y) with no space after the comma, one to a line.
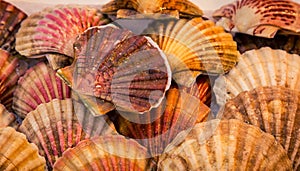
(150,85)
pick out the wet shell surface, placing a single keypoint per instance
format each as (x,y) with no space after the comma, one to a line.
(176,8)
(54,128)
(105,153)
(54,29)
(260,17)
(117,66)
(11,68)
(16,153)
(262,67)
(275,110)
(193,47)
(7,118)
(10,19)
(225,145)
(38,85)
(157,128)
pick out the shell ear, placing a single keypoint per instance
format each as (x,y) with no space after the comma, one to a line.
(265,31)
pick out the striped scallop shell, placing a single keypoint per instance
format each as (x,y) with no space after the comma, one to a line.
(260,17)
(157,128)
(54,128)
(106,153)
(275,110)
(176,8)
(262,67)
(117,66)
(224,145)
(193,47)
(39,85)
(16,153)
(11,68)
(10,19)
(7,118)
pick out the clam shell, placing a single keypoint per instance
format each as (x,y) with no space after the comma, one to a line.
(7,118)
(10,19)
(225,145)
(193,47)
(117,66)
(181,8)
(54,29)
(158,127)
(54,128)
(275,110)
(260,18)
(39,85)
(11,68)
(262,67)
(16,153)
(106,153)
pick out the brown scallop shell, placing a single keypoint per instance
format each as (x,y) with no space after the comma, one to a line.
(261,17)
(193,47)
(105,153)
(117,66)
(262,67)
(10,19)
(157,128)
(275,110)
(224,145)
(11,68)
(39,85)
(16,153)
(7,118)
(176,8)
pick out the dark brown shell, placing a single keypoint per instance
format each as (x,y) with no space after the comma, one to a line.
(275,110)
(117,66)
(157,128)
(10,19)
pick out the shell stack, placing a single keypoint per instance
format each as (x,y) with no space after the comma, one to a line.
(150,85)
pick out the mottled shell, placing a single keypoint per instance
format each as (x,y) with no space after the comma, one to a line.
(193,47)
(225,145)
(54,128)
(16,153)
(176,8)
(10,19)
(53,31)
(11,68)
(39,85)
(117,66)
(106,153)
(262,67)
(157,128)
(275,110)
(7,118)
(260,17)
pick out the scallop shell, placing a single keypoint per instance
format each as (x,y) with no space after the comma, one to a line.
(39,85)
(16,153)
(262,67)
(193,47)
(260,18)
(181,8)
(54,128)
(11,68)
(106,153)
(276,110)
(10,19)
(158,127)
(117,66)
(54,29)
(225,145)
(7,118)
